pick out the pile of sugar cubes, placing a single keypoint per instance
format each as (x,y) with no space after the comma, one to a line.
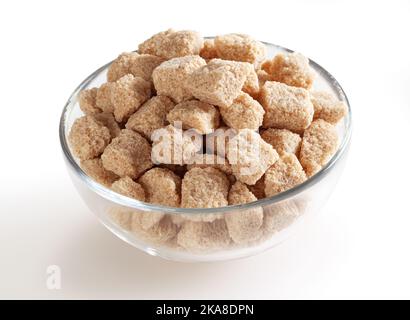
(193,123)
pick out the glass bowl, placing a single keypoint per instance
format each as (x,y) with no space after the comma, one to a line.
(206,241)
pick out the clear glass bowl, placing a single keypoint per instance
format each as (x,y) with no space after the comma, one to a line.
(283,213)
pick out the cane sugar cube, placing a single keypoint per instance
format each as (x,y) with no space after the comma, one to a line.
(194,114)
(286,107)
(327,107)
(279,216)
(172,44)
(129,188)
(250,156)
(95,169)
(103,98)
(150,116)
(243,113)
(243,226)
(282,140)
(170,77)
(240,47)
(204,188)
(120,66)
(121,217)
(284,174)
(145,224)
(162,187)
(159,233)
(128,94)
(129,154)
(292,69)
(251,85)
(139,65)
(319,143)
(219,82)
(88,137)
(107,119)
(204,236)
(211,160)
(86,100)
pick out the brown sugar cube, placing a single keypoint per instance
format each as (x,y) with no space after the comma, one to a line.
(88,137)
(319,143)
(282,140)
(328,107)
(128,94)
(240,194)
(121,217)
(103,98)
(95,169)
(240,47)
(219,82)
(129,154)
(286,107)
(143,65)
(143,221)
(129,188)
(284,174)
(86,100)
(172,44)
(120,66)
(243,226)
(162,187)
(204,236)
(258,189)
(150,116)
(251,85)
(211,160)
(292,69)
(208,50)
(194,114)
(250,156)
(217,142)
(170,76)
(107,119)
(279,216)
(146,224)
(243,113)
(204,188)
(139,65)
(150,219)
(171,145)
(159,233)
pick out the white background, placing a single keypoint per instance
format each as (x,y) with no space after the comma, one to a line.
(359,247)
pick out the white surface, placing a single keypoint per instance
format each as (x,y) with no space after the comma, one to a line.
(359,248)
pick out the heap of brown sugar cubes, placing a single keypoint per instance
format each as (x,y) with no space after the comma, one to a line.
(193,123)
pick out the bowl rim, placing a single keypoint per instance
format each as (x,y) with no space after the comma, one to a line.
(117,198)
